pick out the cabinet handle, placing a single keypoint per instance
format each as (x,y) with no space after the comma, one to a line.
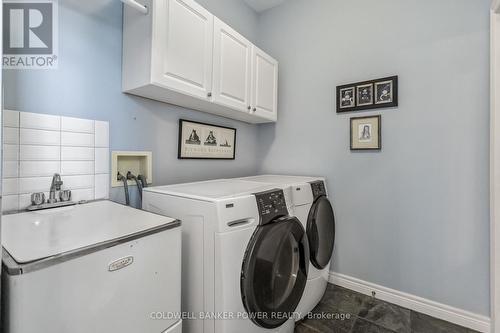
(249,107)
(254,109)
(209,94)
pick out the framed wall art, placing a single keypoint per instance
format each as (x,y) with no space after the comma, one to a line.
(366,95)
(366,133)
(347,98)
(206,141)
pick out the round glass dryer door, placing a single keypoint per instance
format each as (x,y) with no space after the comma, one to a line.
(274,272)
(321,232)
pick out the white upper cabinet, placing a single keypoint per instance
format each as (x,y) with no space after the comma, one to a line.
(184,34)
(179,53)
(264,85)
(232,68)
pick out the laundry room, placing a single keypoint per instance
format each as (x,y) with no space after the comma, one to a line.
(250,166)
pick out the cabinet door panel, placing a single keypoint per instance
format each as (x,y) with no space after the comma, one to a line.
(184,38)
(232,67)
(264,85)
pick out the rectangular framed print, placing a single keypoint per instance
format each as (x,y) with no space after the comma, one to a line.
(347,98)
(384,92)
(206,141)
(366,133)
(366,95)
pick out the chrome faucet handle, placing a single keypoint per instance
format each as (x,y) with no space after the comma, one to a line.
(38,198)
(65,195)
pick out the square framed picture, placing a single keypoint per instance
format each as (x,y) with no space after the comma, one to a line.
(364,94)
(347,98)
(206,141)
(366,133)
(384,92)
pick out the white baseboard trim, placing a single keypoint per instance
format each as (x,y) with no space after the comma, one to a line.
(434,309)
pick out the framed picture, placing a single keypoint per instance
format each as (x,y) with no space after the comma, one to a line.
(347,98)
(372,94)
(366,133)
(206,141)
(384,92)
(364,94)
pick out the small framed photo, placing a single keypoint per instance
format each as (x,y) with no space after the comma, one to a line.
(384,92)
(364,94)
(347,99)
(206,141)
(366,133)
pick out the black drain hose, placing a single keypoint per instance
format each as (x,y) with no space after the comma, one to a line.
(125,187)
(143,180)
(130,176)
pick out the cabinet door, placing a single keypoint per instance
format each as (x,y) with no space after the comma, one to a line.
(183,47)
(232,68)
(264,85)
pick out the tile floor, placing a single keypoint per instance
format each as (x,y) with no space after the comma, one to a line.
(351,312)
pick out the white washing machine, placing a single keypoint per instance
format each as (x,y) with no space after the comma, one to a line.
(244,258)
(312,207)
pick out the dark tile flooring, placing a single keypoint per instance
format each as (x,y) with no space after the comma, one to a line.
(345,311)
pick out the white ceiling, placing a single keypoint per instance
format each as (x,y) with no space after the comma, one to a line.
(262,5)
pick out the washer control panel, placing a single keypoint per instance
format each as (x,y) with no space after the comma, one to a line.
(271,205)
(318,188)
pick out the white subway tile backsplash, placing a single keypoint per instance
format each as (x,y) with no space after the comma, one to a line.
(10,202)
(36,146)
(77,125)
(77,154)
(34,184)
(77,167)
(40,121)
(77,139)
(102,186)
(102,160)
(39,137)
(10,152)
(101,134)
(39,153)
(10,186)
(77,182)
(11,118)
(10,169)
(86,194)
(24,201)
(38,168)
(10,135)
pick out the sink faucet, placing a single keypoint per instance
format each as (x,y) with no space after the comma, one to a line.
(56,186)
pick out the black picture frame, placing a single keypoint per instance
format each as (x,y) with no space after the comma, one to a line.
(180,141)
(376,103)
(379,134)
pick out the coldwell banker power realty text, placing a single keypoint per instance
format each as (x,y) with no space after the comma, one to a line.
(30,34)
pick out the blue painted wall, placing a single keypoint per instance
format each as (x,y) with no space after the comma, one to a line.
(88,85)
(415,216)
